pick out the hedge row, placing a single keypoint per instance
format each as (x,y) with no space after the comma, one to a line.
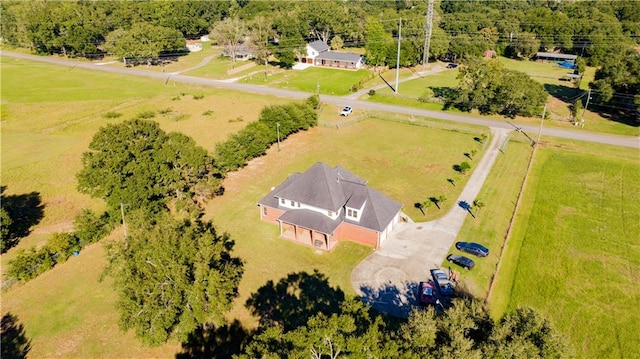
(30,263)
(254,140)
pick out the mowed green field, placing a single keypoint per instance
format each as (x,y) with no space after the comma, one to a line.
(327,80)
(489,227)
(67,312)
(575,250)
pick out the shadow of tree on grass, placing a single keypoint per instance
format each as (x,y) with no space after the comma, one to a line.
(207,341)
(25,211)
(294,299)
(391,299)
(15,344)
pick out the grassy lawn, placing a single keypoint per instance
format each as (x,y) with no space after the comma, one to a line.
(330,81)
(67,312)
(575,250)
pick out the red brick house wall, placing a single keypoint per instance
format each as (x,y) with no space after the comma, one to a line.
(353,233)
(271,215)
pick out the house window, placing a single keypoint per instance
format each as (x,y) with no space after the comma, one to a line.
(298,204)
(293,204)
(264,210)
(330,213)
(282,200)
(352,213)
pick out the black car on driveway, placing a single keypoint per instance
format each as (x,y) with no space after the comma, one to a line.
(462,261)
(473,248)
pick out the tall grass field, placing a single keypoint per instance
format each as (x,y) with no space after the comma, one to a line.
(575,249)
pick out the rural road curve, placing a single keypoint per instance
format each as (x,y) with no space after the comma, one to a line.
(633,142)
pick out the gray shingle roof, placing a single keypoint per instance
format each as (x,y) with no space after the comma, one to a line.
(319,46)
(339,56)
(312,220)
(331,189)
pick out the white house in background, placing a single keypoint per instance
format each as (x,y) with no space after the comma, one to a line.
(319,54)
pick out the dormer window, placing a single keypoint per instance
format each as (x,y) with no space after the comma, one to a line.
(282,200)
(352,213)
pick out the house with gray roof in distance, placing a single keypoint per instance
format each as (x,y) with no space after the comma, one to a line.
(324,205)
(319,54)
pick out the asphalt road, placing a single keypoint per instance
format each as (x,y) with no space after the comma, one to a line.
(532,130)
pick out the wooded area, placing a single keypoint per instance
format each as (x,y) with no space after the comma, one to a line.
(602,32)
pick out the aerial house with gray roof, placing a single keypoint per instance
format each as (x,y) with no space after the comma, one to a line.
(319,54)
(325,205)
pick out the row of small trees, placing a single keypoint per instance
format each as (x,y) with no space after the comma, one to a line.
(275,124)
(29,263)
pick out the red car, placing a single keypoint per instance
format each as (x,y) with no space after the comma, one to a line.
(426,293)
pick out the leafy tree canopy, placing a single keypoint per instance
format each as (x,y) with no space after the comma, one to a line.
(490,88)
(172,276)
(137,163)
(144,41)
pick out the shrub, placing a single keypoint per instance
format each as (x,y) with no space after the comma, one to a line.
(207,113)
(198,96)
(28,264)
(89,228)
(165,111)
(181,117)
(62,245)
(313,101)
(146,115)
(111,114)
(372,92)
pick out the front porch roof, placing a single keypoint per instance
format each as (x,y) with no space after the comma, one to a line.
(312,220)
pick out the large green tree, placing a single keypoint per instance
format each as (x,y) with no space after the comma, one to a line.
(378,42)
(492,89)
(617,82)
(143,41)
(137,163)
(172,276)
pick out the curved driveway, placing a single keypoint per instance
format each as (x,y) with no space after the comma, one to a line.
(633,142)
(388,278)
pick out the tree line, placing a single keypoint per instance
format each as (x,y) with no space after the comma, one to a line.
(461,29)
(603,32)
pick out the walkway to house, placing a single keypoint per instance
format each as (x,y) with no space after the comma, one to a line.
(388,278)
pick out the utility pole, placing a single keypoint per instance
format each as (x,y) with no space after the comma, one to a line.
(428,26)
(278,131)
(585,108)
(398,58)
(124,224)
(544,113)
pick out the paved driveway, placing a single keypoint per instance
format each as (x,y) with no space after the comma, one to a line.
(388,278)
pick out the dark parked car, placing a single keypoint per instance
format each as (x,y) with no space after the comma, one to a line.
(473,248)
(462,261)
(452,66)
(426,293)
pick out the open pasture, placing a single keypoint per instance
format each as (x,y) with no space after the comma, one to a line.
(50,114)
(575,251)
